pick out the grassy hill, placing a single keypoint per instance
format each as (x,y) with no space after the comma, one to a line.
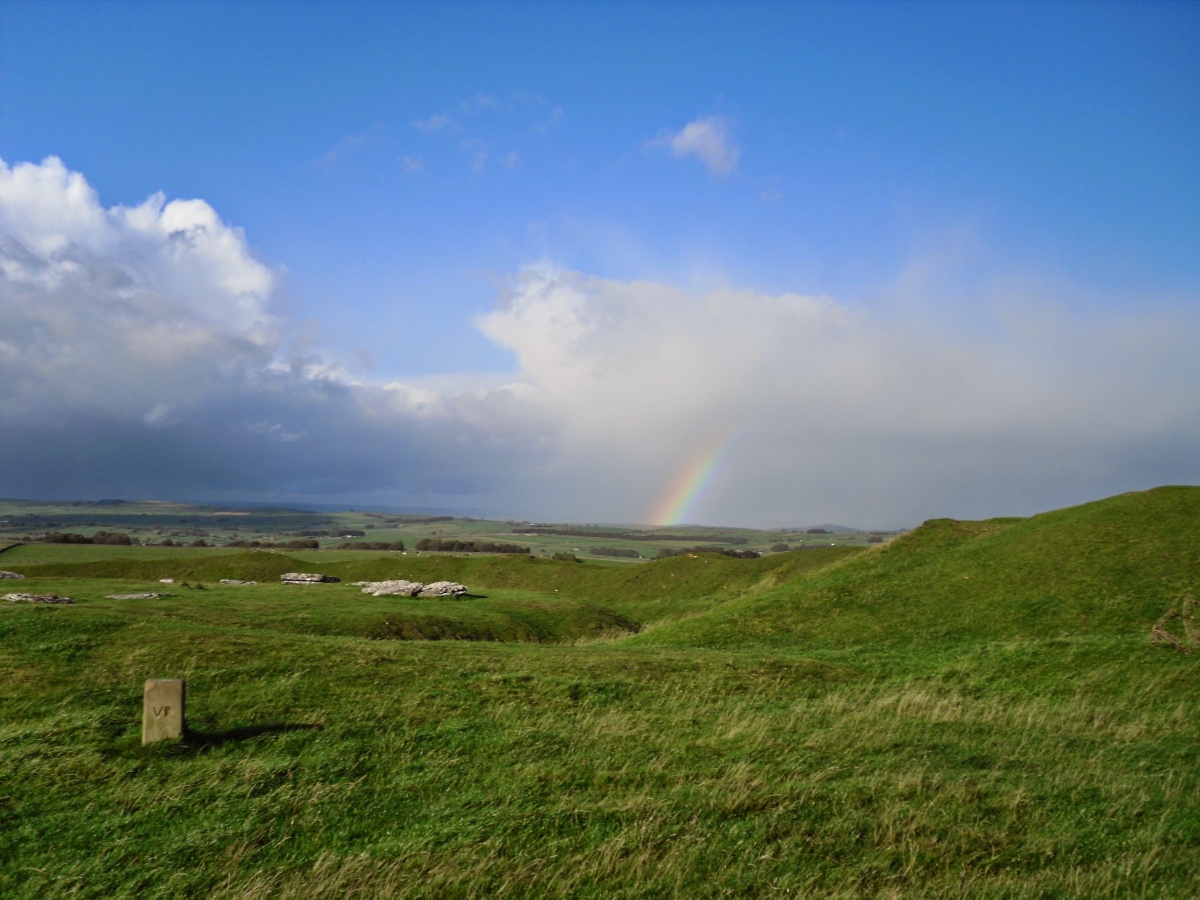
(972,709)
(1111,567)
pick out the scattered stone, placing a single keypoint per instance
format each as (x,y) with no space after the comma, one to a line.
(397,587)
(235,581)
(401,588)
(10,575)
(307,578)
(37,598)
(162,710)
(166,581)
(145,596)
(444,589)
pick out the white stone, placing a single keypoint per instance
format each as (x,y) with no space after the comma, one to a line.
(396,587)
(444,589)
(37,598)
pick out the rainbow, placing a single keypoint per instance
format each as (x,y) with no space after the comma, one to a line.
(688,489)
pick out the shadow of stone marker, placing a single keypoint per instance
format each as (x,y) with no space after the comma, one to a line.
(162,710)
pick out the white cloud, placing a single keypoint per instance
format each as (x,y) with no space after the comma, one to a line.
(345,145)
(274,430)
(411,164)
(771,195)
(138,341)
(485,123)
(551,120)
(837,414)
(140,354)
(159,417)
(438,123)
(708,139)
(481,103)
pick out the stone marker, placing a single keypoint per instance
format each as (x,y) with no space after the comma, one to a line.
(162,710)
(146,596)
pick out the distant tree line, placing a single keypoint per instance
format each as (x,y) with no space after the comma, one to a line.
(666,552)
(615,551)
(451,546)
(100,537)
(411,520)
(370,545)
(303,544)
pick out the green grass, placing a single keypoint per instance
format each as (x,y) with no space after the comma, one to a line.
(43,554)
(971,710)
(1111,567)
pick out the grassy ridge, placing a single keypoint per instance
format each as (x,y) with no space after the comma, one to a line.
(1111,567)
(853,725)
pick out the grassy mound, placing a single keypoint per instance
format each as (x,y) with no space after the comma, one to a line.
(1111,567)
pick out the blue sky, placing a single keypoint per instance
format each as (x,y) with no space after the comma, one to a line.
(993,180)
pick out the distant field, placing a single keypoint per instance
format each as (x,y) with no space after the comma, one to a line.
(186,523)
(973,709)
(32,554)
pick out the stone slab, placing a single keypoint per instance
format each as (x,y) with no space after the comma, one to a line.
(162,710)
(37,598)
(397,587)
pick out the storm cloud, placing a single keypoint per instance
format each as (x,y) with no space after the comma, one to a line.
(142,355)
